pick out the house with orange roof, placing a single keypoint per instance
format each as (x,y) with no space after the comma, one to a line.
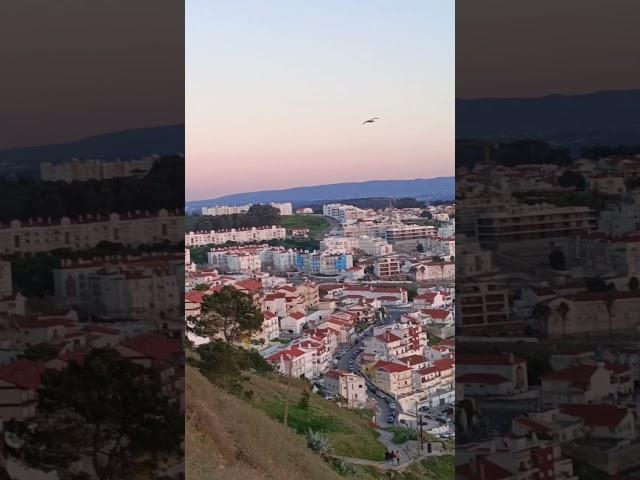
(275,303)
(293,361)
(491,374)
(393,378)
(347,385)
(293,323)
(429,300)
(343,328)
(602,420)
(577,384)
(19,382)
(320,353)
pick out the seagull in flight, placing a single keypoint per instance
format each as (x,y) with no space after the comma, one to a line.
(371,120)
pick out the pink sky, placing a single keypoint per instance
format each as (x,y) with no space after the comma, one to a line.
(282,106)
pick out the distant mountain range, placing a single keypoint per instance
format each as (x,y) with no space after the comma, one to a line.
(575,121)
(440,188)
(124,144)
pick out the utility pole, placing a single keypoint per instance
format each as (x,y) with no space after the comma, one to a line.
(418,430)
(286,398)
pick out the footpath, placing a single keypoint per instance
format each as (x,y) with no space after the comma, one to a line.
(408,451)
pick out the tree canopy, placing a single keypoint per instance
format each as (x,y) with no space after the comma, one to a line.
(109,410)
(256,216)
(228,312)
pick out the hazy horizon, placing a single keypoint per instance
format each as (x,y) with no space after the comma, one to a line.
(276,94)
(319,185)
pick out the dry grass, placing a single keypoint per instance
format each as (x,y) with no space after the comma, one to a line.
(348,431)
(226,438)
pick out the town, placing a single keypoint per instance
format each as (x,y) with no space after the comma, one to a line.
(83,297)
(367,317)
(547,317)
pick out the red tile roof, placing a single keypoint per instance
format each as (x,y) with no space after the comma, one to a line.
(194,296)
(288,352)
(24,374)
(488,378)
(430,297)
(487,359)
(388,337)
(334,373)
(297,315)
(249,284)
(596,415)
(491,471)
(413,359)
(153,346)
(444,364)
(436,313)
(390,367)
(577,373)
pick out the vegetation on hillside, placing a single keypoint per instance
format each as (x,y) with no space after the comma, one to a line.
(162,187)
(379,203)
(229,439)
(317,225)
(256,216)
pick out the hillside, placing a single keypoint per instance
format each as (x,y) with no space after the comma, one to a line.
(429,189)
(228,439)
(574,121)
(317,224)
(233,439)
(166,140)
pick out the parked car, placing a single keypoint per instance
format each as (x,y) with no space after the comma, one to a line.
(392,406)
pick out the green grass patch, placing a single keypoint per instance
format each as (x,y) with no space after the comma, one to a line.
(402,435)
(316,224)
(434,468)
(347,430)
(301,420)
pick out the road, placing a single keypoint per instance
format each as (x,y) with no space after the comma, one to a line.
(351,355)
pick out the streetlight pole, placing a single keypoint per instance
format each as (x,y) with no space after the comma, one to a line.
(286,398)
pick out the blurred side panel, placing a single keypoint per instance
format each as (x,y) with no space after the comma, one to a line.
(91,239)
(548,299)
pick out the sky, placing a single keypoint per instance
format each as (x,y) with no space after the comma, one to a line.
(531,49)
(276,93)
(73,69)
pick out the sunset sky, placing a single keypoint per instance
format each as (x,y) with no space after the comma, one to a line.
(276,93)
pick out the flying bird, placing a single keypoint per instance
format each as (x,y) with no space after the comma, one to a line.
(371,120)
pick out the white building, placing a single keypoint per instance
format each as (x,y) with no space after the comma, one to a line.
(249,235)
(345,214)
(235,262)
(434,271)
(225,209)
(133,228)
(349,386)
(81,171)
(400,233)
(491,374)
(283,208)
